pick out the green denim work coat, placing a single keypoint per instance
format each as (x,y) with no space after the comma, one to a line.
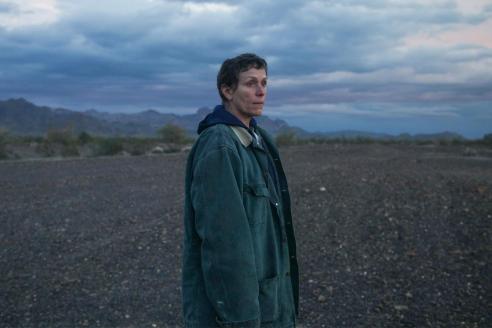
(239,251)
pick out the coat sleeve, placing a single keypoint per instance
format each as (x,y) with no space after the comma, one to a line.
(227,252)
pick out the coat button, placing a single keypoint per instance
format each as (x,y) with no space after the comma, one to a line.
(288,273)
(276,204)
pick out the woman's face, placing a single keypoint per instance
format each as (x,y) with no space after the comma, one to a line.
(247,100)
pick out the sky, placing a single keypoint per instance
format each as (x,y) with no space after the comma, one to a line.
(392,66)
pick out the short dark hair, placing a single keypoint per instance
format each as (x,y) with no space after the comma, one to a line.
(232,67)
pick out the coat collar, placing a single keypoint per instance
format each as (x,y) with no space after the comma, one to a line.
(244,136)
(248,136)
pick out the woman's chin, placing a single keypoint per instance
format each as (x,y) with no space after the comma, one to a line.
(257,112)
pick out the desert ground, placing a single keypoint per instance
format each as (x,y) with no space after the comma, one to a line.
(387,236)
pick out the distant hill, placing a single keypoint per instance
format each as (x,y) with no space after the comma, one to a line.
(353,134)
(440,136)
(22,117)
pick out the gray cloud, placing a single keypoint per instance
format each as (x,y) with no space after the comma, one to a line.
(165,54)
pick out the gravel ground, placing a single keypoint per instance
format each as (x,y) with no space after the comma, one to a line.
(388,236)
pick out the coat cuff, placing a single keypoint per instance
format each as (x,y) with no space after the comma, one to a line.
(243,324)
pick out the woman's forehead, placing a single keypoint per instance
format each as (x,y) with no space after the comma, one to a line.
(253,73)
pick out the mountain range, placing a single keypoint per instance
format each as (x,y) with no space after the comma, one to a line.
(21,117)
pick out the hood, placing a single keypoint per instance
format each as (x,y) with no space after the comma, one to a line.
(221,116)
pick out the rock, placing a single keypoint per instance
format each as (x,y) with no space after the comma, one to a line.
(401,307)
(470,152)
(157,150)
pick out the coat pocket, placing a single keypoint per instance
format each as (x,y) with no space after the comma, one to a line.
(268,299)
(257,203)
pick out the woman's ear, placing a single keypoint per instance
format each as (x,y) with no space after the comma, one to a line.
(227,91)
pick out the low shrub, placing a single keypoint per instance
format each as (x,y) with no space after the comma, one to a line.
(286,138)
(70,150)
(3,143)
(108,146)
(84,138)
(46,149)
(138,147)
(363,140)
(60,136)
(58,142)
(174,134)
(487,139)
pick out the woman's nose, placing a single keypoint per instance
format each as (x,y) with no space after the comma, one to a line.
(260,90)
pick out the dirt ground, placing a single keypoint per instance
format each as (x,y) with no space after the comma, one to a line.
(388,236)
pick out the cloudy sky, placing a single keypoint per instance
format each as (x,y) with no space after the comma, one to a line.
(394,66)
